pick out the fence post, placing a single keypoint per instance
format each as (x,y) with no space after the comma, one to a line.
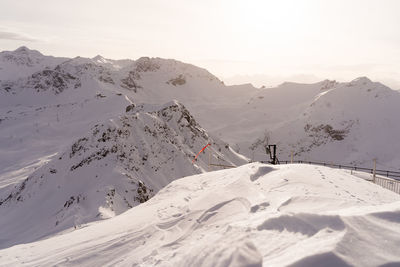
(374,171)
(209,160)
(291,157)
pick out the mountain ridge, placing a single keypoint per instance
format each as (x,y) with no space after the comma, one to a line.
(119,164)
(242,114)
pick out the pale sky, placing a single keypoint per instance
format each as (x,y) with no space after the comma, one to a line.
(263,41)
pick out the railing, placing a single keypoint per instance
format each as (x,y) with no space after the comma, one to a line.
(389,174)
(392,184)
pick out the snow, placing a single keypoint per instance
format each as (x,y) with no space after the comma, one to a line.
(296,215)
(96,167)
(24,62)
(54,103)
(117,165)
(355,121)
(346,123)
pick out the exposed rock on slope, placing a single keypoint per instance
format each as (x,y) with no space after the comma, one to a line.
(118,165)
(41,110)
(23,62)
(349,123)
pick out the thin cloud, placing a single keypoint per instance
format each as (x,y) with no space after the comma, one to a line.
(15,36)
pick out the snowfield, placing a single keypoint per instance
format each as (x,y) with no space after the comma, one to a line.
(253,215)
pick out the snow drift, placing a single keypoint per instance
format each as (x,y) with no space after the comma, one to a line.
(292,215)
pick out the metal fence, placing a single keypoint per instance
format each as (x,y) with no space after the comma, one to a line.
(393,185)
(391,179)
(389,174)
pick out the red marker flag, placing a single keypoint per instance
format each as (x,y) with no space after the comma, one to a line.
(200,152)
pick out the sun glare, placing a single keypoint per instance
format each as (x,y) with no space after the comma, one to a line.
(264,28)
(268,17)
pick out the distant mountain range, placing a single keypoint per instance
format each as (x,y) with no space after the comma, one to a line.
(46,102)
(83,140)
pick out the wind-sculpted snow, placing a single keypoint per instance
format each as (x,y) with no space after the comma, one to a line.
(118,165)
(293,215)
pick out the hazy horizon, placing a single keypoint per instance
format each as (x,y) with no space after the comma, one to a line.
(261,42)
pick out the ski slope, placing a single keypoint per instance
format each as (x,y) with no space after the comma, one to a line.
(257,214)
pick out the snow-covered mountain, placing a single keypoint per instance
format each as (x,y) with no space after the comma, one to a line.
(76,146)
(352,122)
(117,165)
(357,121)
(254,215)
(23,62)
(46,109)
(60,99)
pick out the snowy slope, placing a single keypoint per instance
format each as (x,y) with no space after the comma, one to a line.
(306,118)
(114,167)
(46,109)
(58,100)
(24,62)
(292,215)
(351,123)
(354,121)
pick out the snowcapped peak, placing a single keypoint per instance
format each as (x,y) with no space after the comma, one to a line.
(146,64)
(361,80)
(23,50)
(328,84)
(23,62)
(79,61)
(99,59)
(289,84)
